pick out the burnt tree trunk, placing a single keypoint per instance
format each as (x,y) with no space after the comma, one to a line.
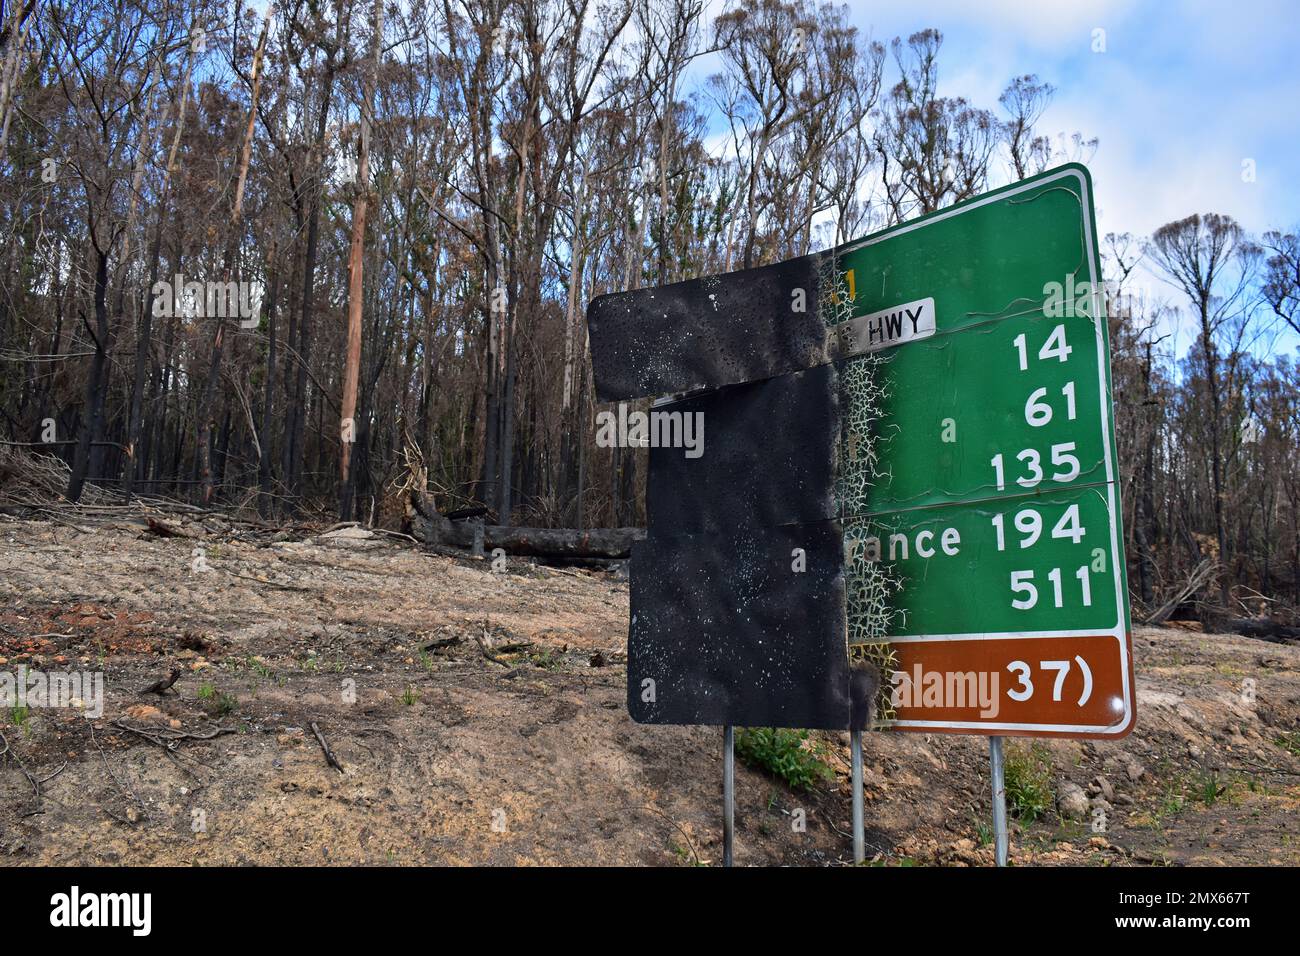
(96,385)
(433,528)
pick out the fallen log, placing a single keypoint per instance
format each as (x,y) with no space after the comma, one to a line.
(461,514)
(1263,628)
(443,643)
(438,530)
(166,529)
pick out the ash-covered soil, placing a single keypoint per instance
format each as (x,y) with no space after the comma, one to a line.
(479,718)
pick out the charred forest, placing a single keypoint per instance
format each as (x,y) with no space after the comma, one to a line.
(302,259)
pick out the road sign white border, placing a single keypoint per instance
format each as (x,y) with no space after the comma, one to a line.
(1118,630)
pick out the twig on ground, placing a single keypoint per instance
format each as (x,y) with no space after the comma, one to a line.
(268,584)
(686,836)
(329,754)
(487,652)
(34,637)
(166,737)
(22,767)
(513,648)
(62,768)
(122,790)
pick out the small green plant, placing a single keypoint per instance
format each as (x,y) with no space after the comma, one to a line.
(1290,742)
(1028,775)
(547,660)
(426,660)
(216,703)
(18,714)
(1209,789)
(410,696)
(1171,804)
(788,755)
(260,668)
(686,854)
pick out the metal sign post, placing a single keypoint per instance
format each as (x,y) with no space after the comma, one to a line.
(859,827)
(728,793)
(1000,839)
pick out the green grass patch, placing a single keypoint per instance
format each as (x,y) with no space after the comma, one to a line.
(216,703)
(788,755)
(546,659)
(1028,775)
(1171,804)
(260,668)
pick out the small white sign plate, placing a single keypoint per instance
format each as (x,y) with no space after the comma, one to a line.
(887,328)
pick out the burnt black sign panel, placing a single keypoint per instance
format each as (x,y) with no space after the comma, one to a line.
(738,592)
(710,332)
(724,632)
(769,457)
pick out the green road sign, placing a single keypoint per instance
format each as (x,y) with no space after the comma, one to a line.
(977,337)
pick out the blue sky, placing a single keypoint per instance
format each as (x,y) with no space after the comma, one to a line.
(1183,93)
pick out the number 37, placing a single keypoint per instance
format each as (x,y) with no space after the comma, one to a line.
(1025,690)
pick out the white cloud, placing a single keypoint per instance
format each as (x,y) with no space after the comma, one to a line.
(1057,25)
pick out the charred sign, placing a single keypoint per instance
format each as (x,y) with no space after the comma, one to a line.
(906,500)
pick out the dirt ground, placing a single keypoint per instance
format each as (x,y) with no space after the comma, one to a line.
(510,743)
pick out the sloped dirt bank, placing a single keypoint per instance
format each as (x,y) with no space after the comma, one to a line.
(479,719)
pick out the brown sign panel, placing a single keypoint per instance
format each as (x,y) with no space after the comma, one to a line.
(1031,686)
